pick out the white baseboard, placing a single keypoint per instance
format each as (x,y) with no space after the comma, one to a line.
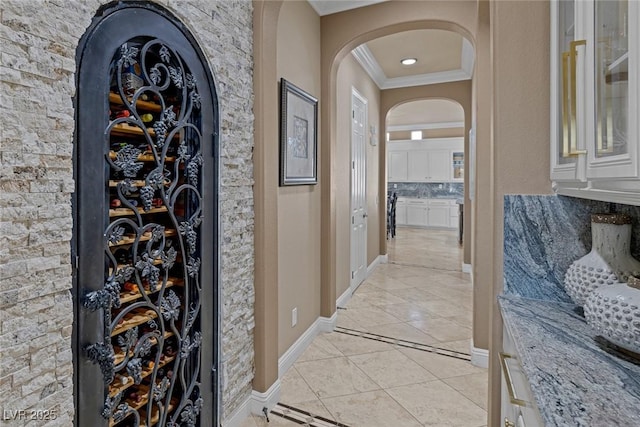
(254,404)
(344,298)
(257,401)
(479,356)
(466,268)
(327,324)
(322,324)
(380,259)
(268,399)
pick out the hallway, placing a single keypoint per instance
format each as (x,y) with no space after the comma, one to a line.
(399,356)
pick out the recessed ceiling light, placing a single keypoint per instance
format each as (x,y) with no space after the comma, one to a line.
(408,61)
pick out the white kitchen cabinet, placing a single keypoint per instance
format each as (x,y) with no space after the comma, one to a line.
(595,96)
(457,166)
(417,212)
(426,160)
(401,212)
(454,215)
(398,166)
(429,166)
(426,213)
(439,166)
(438,213)
(418,170)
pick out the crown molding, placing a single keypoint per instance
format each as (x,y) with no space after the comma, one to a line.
(467,57)
(369,63)
(328,7)
(425,79)
(366,59)
(425,126)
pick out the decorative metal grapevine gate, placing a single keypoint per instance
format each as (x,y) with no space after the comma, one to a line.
(145,225)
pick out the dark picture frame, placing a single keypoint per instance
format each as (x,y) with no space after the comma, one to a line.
(298,136)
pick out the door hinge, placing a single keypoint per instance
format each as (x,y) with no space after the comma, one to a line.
(77,263)
(353,220)
(353,274)
(353,114)
(214,379)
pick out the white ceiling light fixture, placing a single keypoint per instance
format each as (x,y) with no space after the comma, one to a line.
(408,61)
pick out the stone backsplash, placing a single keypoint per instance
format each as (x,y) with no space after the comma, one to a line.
(427,190)
(543,235)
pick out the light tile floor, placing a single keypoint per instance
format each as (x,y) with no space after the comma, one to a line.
(420,296)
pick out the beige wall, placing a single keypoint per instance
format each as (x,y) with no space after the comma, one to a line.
(520,132)
(265,173)
(351,75)
(298,61)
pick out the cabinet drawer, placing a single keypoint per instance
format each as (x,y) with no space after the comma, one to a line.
(518,405)
(435,202)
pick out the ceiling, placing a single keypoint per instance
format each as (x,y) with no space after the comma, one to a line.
(443,56)
(327,7)
(435,50)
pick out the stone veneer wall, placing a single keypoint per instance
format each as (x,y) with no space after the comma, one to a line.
(37,84)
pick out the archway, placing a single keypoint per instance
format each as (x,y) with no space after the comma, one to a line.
(441,124)
(341,33)
(459,92)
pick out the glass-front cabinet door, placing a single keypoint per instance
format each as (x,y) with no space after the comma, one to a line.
(614,147)
(595,120)
(565,152)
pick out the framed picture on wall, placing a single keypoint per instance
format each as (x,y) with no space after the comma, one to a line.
(298,136)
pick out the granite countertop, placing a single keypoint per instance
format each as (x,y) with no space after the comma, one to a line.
(575,380)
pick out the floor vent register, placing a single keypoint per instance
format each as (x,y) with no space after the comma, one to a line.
(302,417)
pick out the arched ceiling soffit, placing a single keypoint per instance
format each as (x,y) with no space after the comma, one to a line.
(436,113)
(343,32)
(348,46)
(458,92)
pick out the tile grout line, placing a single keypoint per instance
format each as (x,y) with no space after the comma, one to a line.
(404,343)
(406,264)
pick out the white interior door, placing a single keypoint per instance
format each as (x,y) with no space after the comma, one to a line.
(358,189)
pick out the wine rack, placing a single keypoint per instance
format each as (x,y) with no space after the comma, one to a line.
(149,347)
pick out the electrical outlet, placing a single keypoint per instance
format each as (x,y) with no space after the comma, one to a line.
(294,317)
